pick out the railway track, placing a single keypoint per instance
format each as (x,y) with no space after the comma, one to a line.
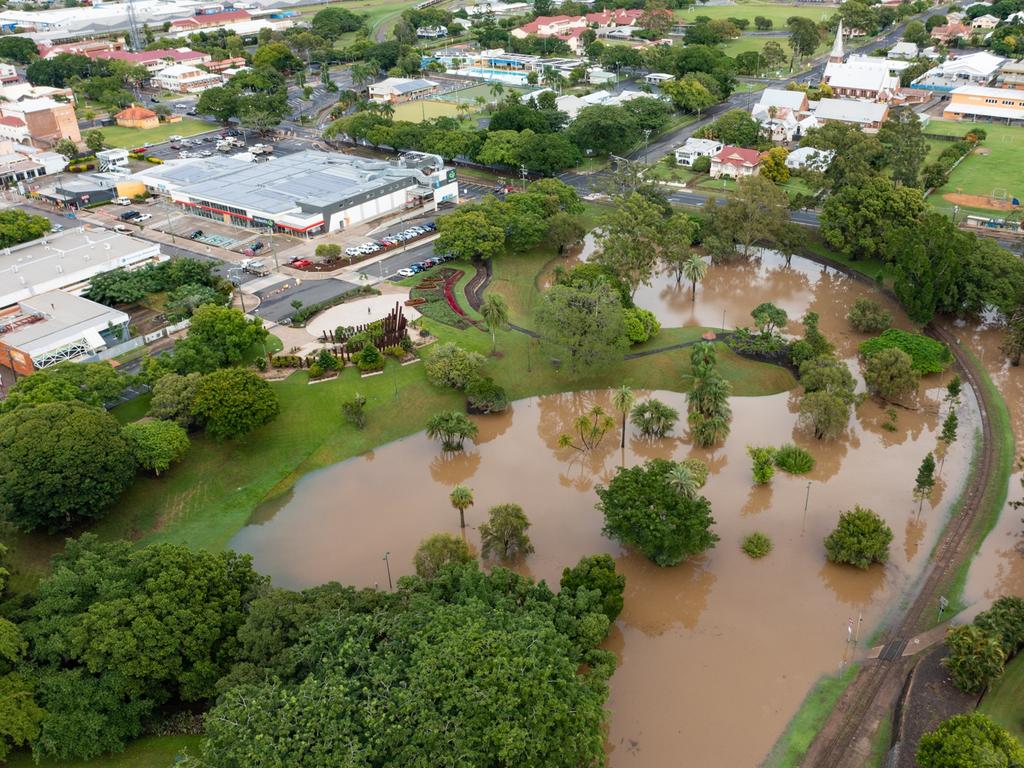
(836,742)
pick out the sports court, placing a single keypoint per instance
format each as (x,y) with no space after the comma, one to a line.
(995,170)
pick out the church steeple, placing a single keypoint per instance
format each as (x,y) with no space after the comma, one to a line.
(837,54)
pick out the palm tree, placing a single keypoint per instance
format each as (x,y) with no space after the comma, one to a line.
(495,313)
(496,90)
(682,479)
(463,110)
(362,73)
(694,269)
(461,498)
(451,428)
(622,400)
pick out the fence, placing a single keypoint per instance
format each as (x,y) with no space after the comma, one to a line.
(111,352)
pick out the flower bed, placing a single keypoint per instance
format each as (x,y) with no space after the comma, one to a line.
(435,298)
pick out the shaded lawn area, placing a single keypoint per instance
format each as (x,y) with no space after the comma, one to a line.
(129,138)
(211,494)
(1004,701)
(147,752)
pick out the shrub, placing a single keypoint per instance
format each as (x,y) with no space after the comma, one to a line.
(596,572)
(973,739)
(326,360)
(452,366)
(764,463)
(232,401)
(861,538)
(701,165)
(504,533)
(1005,621)
(889,373)
(485,396)
(975,658)
(653,418)
(315,371)
(926,355)
(868,316)
(757,545)
(794,459)
(641,324)
(370,358)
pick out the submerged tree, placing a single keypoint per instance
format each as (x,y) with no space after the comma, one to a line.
(451,428)
(925,481)
(591,428)
(708,400)
(461,498)
(504,533)
(437,551)
(653,418)
(622,400)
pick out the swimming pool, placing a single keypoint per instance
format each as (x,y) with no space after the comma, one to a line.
(501,75)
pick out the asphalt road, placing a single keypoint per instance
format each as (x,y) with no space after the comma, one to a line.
(389,266)
(276,305)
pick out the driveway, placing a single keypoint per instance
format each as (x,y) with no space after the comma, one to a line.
(276,303)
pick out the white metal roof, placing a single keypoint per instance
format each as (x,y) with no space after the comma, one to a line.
(67,318)
(778,97)
(850,110)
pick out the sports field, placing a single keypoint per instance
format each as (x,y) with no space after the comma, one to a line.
(469,95)
(417,111)
(996,170)
(128,138)
(777,12)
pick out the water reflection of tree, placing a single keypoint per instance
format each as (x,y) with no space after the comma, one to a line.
(647,448)
(657,599)
(559,412)
(828,454)
(759,499)
(853,586)
(454,467)
(912,536)
(919,415)
(493,425)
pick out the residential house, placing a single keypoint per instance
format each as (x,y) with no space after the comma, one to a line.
(947,33)
(903,50)
(868,115)
(1011,75)
(598,76)
(779,97)
(80,48)
(395,90)
(14,129)
(432,33)
(137,117)
(736,162)
(694,148)
(974,102)
(988,21)
(8,74)
(569,28)
(182,78)
(973,69)
(220,67)
(46,121)
(782,114)
(573,105)
(810,157)
(657,78)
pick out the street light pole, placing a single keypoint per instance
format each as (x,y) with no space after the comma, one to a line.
(807,500)
(387,564)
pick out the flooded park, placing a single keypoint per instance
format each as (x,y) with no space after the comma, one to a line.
(721,639)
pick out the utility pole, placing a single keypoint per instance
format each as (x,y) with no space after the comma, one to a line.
(387,564)
(647,136)
(522,172)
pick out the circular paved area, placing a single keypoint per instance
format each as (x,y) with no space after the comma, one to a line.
(361,311)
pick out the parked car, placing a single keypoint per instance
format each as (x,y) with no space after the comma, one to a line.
(301,263)
(57,228)
(129,215)
(257,245)
(174,138)
(122,229)
(406,272)
(143,217)
(196,234)
(175,146)
(122,201)
(139,151)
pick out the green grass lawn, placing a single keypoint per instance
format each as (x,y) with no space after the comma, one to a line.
(422,109)
(981,174)
(147,752)
(1004,701)
(777,12)
(129,138)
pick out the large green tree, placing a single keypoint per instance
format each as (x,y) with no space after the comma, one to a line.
(829,395)
(905,146)
(90,383)
(16,227)
(757,212)
(858,217)
(156,444)
(217,337)
(231,402)
(582,325)
(969,740)
(605,130)
(116,631)
(642,508)
(60,463)
(860,538)
(632,237)
(470,234)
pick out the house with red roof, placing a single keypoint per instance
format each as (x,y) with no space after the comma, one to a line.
(207,20)
(736,162)
(80,48)
(569,28)
(156,60)
(13,128)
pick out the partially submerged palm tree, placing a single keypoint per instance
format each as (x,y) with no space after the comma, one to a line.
(682,478)
(653,418)
(622,400)
(590,428)
(451,428)
(694,269)
(461,498)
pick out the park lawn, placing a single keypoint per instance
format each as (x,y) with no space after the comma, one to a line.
(1001,169)
(417,111)
(135,137)
(678,174)
(744,43)
(147,752)
(777,12)
(1004,701)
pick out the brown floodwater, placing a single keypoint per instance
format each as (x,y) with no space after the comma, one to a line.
(715,655)
(998,569)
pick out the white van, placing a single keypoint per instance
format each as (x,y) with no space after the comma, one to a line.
(123,201)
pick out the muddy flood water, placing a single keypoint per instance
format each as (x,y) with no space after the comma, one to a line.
(715,655)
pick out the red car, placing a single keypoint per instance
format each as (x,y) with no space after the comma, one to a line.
(300,263)
(139,151)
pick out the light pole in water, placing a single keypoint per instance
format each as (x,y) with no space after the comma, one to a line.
(807,500)
(387,564)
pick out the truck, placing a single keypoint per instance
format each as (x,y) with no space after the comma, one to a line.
(261,149)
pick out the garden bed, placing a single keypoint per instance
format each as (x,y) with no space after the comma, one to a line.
(434,297)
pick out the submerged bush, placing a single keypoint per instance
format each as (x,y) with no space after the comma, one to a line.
(927,355)
(794,459)
(757,545)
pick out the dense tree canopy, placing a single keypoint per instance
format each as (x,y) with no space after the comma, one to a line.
(582,325)
(642,508)
(60,463)
(16,226)
(231,402)
(90,383)
(973,739)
